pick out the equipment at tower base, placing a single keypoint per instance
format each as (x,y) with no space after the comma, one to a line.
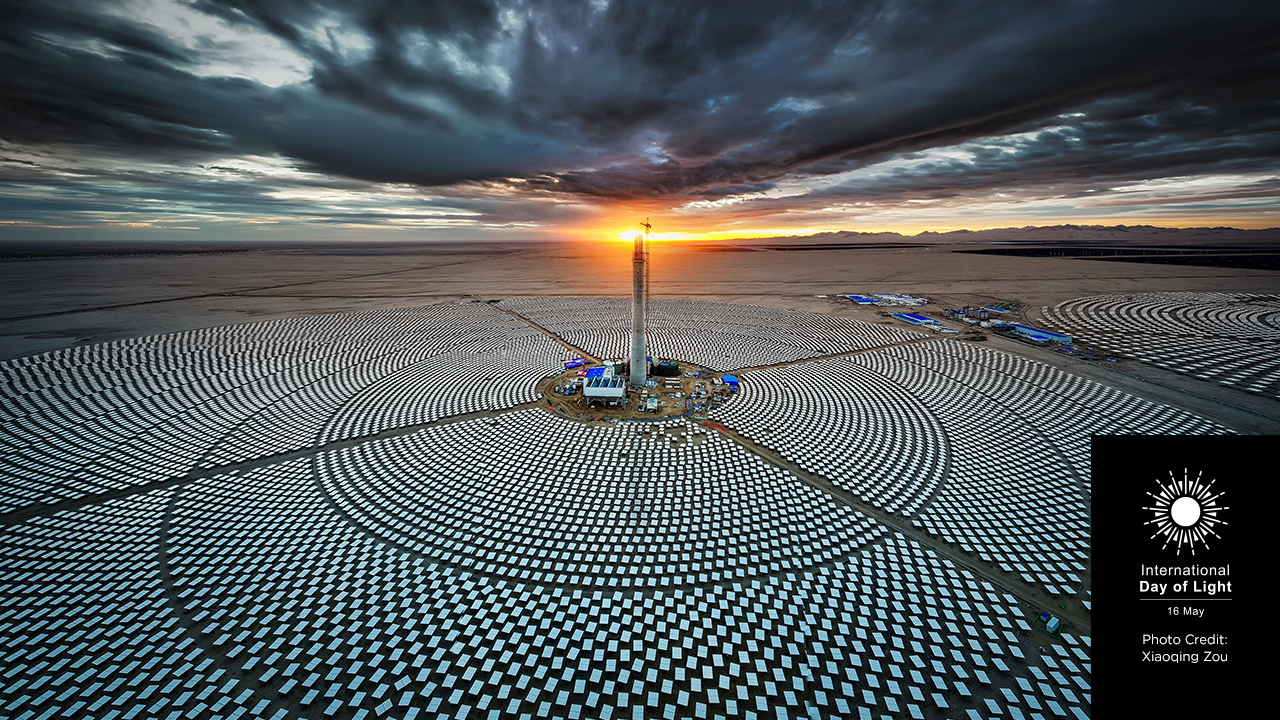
(601,386)
(639,274)
(665,368)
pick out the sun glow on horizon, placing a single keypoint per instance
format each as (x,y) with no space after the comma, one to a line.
(611,233)
(662,233)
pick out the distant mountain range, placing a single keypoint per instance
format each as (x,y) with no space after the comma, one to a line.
(1050,234)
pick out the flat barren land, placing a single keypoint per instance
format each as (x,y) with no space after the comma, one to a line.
(59,300)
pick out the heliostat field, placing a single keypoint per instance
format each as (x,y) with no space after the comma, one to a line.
(373,515)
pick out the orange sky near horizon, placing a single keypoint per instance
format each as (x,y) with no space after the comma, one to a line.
(672,226)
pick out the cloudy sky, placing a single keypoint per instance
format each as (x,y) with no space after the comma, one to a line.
(251,120)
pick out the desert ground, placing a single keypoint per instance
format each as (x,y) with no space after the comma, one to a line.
(61,301)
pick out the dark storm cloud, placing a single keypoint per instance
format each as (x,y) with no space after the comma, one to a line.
(677,100)
(1104,144)
(82,190)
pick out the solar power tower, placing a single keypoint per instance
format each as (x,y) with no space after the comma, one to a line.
(639,267)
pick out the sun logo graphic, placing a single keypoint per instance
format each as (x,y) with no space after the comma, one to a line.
(1186,512)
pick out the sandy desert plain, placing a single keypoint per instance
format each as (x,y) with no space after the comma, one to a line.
(404,614)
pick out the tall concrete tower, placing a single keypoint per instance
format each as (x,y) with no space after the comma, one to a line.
(639,366)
